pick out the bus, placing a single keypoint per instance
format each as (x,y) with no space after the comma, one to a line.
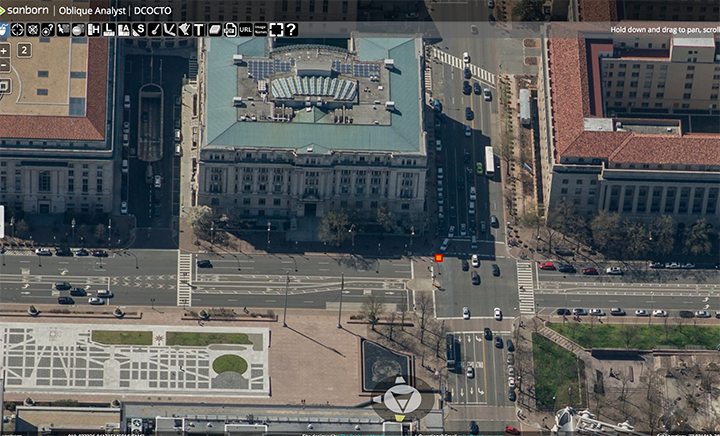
(451,351)
(489,161)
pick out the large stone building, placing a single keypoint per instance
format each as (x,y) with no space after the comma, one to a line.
(298,131)
(638,167)
(56,147)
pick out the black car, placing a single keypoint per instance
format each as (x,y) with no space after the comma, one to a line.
(453,212)
(65,300)
(63,252)
(617,311)
(488,334)
(81,252)
(498,342)
(205,263)
(465,265)
(475,278)
(567,269)
(62,286)
(509,345)
(469,114)
(686,314)
(511,394)
(474,429)
(495,270)
(476,88)
(466,157)
(78,292)
(563,311)
(467,73)
(99,253)
(467,89)
(460,183)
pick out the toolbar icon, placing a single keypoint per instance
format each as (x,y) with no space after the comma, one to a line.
(63,29)
(94,29)
(215,29)
(169,29)
(78,30)
(6,86)
(231,30)
(198,29)
(261,29)
(17,29)
(185,29)
(2,11)
(32,29)
(276,29)
(4,29)
(245,29)
(291,29)
(123,29)
(46,30)
(109,29)
(154,29)
(139,29)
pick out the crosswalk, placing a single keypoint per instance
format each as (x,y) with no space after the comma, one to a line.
(477,72)
(184,291)
(428,80)
(526,289)
(20,253)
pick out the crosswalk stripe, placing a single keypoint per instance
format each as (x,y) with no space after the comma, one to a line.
(456,62)
(526,287)
(184,295)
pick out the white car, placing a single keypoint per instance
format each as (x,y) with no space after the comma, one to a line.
(475,261)
(463,229)
(641,312)
(158,181)
(445,245)
(487,95)
(688,266)
(511,382)
(511,371)
(451,232)
(672,265)
(440,189)
(498,314)
(441,214)
(440,173)
(126,127)
(473,194)
(597,312)
(660,313)
(440,185)
(702,314)
(470,371)
(466,58)
(43,252)
(123,208)
(441,200)
(466,313)
(614,271)
(468,131)
(95,301)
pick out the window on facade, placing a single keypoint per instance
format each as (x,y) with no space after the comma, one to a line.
(85,186)
(405,206)
(44,181)
(261,202)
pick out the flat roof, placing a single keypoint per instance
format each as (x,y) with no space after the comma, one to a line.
(696,41)
(33,419)
(401,132)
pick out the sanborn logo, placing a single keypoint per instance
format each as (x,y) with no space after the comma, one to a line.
(2,11)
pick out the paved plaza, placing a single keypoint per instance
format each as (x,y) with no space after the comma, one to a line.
(44,358)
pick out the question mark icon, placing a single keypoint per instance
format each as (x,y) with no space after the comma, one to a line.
(291,29)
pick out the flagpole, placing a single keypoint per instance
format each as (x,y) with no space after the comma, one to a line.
(342,288)
(287,284)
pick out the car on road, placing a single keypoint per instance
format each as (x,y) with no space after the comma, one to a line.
(509,345)
(562,311)
(511,382)
(123,208)
(487,333)
(702,314)
(686,314)
(99,253)
(469,115)
(158,181)
(656,265)
(63,252)
(509,429)
(465,265)
(688,266)
(65,300)
(476,88)
(62,286)
(498,342)
(511,371)
(475,278)
(495,270)
(440,199)
(466,313)
(81,252)
(617,311)
(511,395)
(474,429)
(510,359)
(590,271)
(566,268)
(43,252)
(177,123)
(487,94)
(126,127)
(494,222)
(473,29)
(468,131)
(491,4)
(717,314)
(642,312)
(204,263)
(597,312)
(483,227)
(466,58)
(473,194)
(105,293)
(659,313)
(440,174)
(470,371)
(95,301)
(579,311)
(441,214)
(672,265)
(453,212)
(451,232)
(466,73)
(547,265)
(497,313)
(467,89)
(445,244)
(463,229)
(614,271)
(78,292)
(475,261)
(491,19)
(479,168)
(466,159)
(411,15)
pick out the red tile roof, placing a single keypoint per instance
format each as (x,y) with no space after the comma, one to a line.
(597,10)
(571,104)
(88,128)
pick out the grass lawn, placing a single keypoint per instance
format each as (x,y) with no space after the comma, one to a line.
(556,370)
(640,336)
(118,337)
(230,362)
(192,339)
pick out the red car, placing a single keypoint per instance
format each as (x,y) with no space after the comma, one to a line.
(590,271)
(512,430)
(547,265)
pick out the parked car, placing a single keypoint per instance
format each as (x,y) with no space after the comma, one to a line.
(656,265)
(498,342)
(463,229)
(717,314)
(474,429)
(511,382)
(469,115)
(510,359)
(686,314)
(688,266)
(123,208)
(63,251)
(614,271)
(466,313)
(104,293)
(597,312)
(562,311)
(81,252)
(43,252)
(473,29)
(465,265)
(509,429)
(451,232)
(590,271)
(497,313)
(475,261)
(579,311)
(642,312)
(158,181)
(411,15)
(476,88)
(473,240)
(511,395)
(547,265)
(99,253)
(466,73)
(491,4)
(511,371)
(566,268)
(95,301)
(509,345)
(617,311)
(702,314)
(445,244)
(204,263)
(475,278)
(672,265)
(660,313)
(488,334)
(495,270)
(65,300)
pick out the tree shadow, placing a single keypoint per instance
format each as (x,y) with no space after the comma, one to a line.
(316,341)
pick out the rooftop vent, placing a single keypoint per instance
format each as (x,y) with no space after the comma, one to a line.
(389,105)
(389,64)
(237,59)
(237,101)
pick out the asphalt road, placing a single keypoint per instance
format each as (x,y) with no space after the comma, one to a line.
(134,277)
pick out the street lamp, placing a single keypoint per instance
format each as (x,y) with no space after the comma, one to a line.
(342,288)
(152,302)
(287,285)
(412,233)
(352,237)
(212,233)
(268,234)
(652,306)
(72,224)
(12,225)
(109,230)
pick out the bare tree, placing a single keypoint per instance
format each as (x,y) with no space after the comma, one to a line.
(628,333)
(440,331)
(680,323)
(424,303)
(403,311)
(666,328)
(391,320)
(624,378)
(372,308)
(651,408)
